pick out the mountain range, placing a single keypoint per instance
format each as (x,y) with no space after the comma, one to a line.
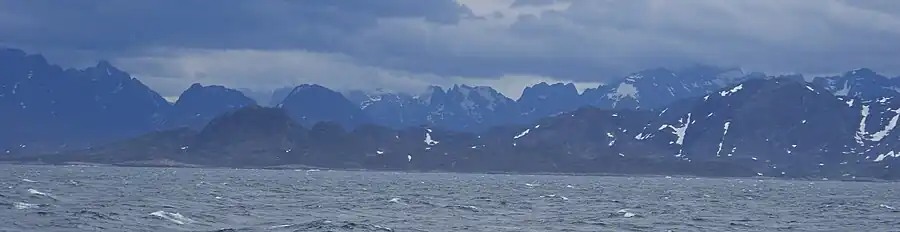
(699,121)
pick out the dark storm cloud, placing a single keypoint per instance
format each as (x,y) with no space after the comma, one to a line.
(344,40)
(239,24)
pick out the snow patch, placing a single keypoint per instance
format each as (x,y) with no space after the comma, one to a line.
(679,132)
(428,140)
(844,91)
(624,90)
(861,131)
(878,136)
(732,90)
(522,134)
(724,133)
(891,154)
(613,141)
(642,136)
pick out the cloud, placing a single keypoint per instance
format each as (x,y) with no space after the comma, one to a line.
(404,44)
(275,69)
(256,69)
(277,24)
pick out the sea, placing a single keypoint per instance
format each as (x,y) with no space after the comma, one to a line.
(86,198)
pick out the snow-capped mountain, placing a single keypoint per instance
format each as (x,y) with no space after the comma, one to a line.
(699,121)
(462,107)
(776,127)
(469,108)
(653,88)
(392,109)
(861,83)
(476,108)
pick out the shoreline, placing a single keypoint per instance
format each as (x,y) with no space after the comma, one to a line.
(298,167)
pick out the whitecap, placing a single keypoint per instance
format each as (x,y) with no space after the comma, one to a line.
(29,181)
(625,213)
(23,205)
(39,193)
(394,200)
(279,226)
(35,192)
(555,196)
(463,207)
(173,217)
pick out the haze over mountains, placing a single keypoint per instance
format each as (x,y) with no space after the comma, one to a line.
(700,120)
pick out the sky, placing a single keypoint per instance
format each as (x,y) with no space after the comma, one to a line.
(406,45)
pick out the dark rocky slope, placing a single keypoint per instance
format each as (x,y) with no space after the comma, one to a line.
(763,127)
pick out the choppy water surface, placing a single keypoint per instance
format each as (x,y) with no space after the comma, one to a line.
(47,198)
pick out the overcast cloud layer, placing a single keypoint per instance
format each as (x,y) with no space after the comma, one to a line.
(408,44)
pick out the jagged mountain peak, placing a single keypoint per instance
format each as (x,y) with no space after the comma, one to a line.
(544,85)
(653,88)
(544,90)
(104,69)
(763,126)
(861,83)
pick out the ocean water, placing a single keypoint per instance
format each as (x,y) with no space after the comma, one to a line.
(57,198)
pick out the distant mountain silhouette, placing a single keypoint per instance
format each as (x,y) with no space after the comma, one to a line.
(199,104)
(47,108)
(698,121)
(775,127)
(310,104)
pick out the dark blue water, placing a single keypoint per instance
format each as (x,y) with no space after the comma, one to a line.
(55,198)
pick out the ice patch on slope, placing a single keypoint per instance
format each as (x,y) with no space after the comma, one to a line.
(732,90)
(890,154)
(428,140)
(727,125)
(522,134)
(679,132)
(861,133)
